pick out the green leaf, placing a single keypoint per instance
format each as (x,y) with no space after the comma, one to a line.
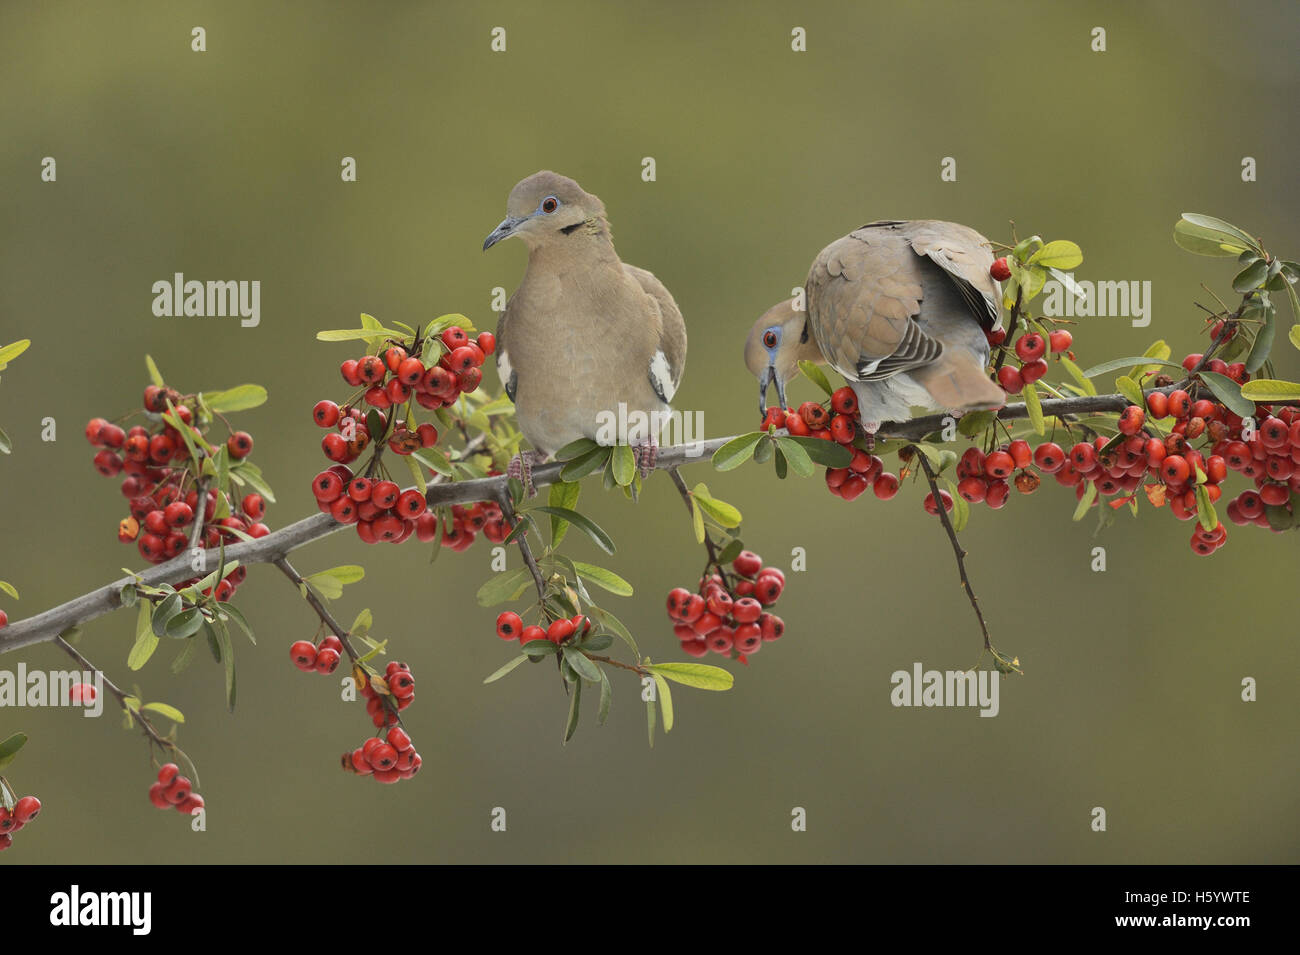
(1115,364)
(1270,389)
(163,709)
(1127,387)
(736,451)
(185,624)
(650,710)
(10,589)
(779,465)
(615,626)
(514,662)
(960,508)
(597,642)
(228,658)
(581,664)
(1058,254)
(816,376)
(434,460)
(1294,335)
(1205,509)
(702,676)
(237,615)
(365,620)
(1084,383)
(239,398)
(582,523)
(146,640)
(585,464)
(413,466)
(572,725)
(1229,392)
(155,375)
(1263,340)
(562,494)
(1085,502)
(623,464)
(344,573)
(974,422)
(606,698)
(731,551)
(798,459)
(826,453)
(697,522)
(11,351)
(576,449)
(247,471)
(603,578)
(503,587)
(1251,277)
(169,607)
(185,657)
(1035,409)
(523,524)
(356,334)
(540,648)
(665,701)
(10,747)
(1206,235)
(722,512)
(763,451)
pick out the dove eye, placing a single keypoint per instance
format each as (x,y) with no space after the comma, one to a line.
(769,338)
(550,204)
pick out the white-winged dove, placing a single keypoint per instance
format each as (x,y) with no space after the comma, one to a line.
(584,332)
(900,310)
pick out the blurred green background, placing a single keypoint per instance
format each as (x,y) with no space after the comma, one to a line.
(225,165)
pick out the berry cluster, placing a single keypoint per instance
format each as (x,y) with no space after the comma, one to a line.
(319,658)
(1031,350)
(729,613)
(11,820)
(388,759)
(510,626)
(162,490)
(400,685)
(392,383)
(837,421)
(174,791)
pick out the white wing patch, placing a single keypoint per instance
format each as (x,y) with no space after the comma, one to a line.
(505,372)
(661,376)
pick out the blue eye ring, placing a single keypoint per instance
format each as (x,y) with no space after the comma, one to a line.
(549,204)
(770,338)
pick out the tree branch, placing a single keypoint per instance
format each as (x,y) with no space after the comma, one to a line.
(957,549)
(275,546)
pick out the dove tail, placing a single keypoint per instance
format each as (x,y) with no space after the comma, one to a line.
(959,384)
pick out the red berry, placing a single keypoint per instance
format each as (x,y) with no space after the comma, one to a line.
(303,654)
(843,429)
(1021,453)
(933,508)
(531,633)
(385,494)
(885,486)
(26,809)
(1031,371)
(1010,379)
(327,659)
(1174,469)
(747,563)
(999,464)
(1131,420)
(813,414)
(1060,340)
(487,342)
(1180,403)
(325,414)
(239,445)
(254,506)
(398,739)
(1049,457)
(411,504)
(559,631)
(1030,347)
(773,418)
(1000,270)
(427,434)
(178,514)
(973,489)
(157,796)
(509,625)
(454,337)
(844,401)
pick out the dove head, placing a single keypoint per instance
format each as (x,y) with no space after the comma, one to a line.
(777,343)
(547,207)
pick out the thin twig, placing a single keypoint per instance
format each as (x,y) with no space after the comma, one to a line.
(113,688)
(617,663)
(525,550)
(957,549)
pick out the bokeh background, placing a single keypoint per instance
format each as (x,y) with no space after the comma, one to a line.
(225,165)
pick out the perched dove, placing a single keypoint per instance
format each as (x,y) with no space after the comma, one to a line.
(900,310)
(584,332)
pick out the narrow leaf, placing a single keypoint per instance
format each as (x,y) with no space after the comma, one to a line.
(665,701)
(826,453)
(1229,392)
(582,523)
(163,709)
(606,579)
(1270,389)
(702,676)
(798,459)
(582,665)
(514,662)
(1035,409)
(563,494)
(816,376)
(736,451)
(239,398)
